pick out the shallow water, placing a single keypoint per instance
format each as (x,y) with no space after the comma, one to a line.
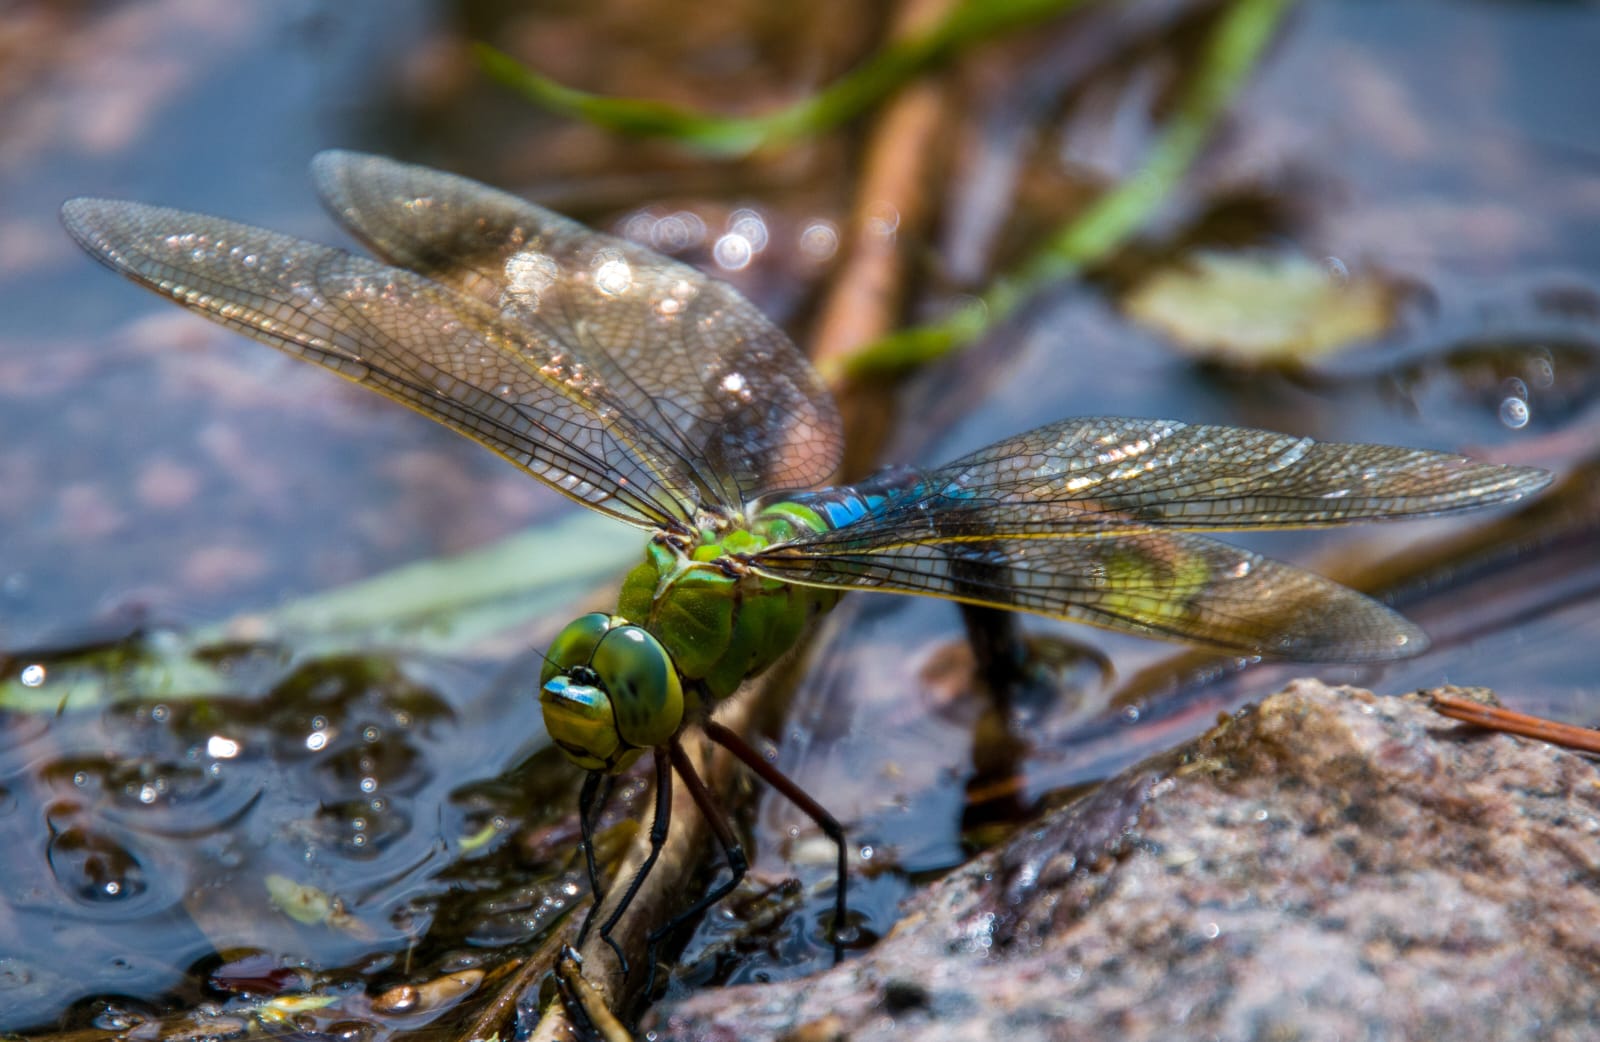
(158,474)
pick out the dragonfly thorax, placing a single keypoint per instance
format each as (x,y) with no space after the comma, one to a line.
(716,617)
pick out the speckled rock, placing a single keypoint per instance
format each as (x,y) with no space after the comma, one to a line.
(1330,864)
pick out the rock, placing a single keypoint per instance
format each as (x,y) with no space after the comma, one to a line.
(1329,864)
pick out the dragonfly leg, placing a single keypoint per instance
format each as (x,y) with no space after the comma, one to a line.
(658,839)
(792,792)
(592,802)
(732,851)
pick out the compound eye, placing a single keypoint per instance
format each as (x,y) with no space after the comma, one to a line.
(578,718)
(638,674)
(575,644)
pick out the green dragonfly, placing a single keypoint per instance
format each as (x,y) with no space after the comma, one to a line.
(656,395)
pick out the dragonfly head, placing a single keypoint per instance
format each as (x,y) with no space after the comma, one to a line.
(609,692)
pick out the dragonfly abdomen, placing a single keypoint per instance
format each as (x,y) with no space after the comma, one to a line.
(882,493)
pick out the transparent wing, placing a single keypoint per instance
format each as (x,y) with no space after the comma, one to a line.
(1085,520)
(447,355)
(1165,584)
(1106,471)
(677,351)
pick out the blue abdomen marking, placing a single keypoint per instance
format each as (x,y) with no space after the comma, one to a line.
(880,494)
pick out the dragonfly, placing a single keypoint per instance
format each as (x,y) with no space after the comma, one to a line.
(644,389)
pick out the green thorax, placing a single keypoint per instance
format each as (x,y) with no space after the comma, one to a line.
(721,622)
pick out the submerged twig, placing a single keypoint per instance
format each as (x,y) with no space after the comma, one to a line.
(892,206)
(1497,718)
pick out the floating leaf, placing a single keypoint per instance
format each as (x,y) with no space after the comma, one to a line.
(1262,309)
(300,902)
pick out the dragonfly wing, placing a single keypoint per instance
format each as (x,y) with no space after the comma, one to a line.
(1206,477)
(450,357)
(681,352)
(1177,585)
(1085,519)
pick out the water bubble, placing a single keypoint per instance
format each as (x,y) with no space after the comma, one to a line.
(316,741)
(638,225)
(220,748)
(613,276)
(117,1018)
(883,219)
(1542,370)
(732,252)
(677,232)
(819,241)
(749,225)
(33,676)
(93,867)
(1514,413)
(1336,271)
(371,733)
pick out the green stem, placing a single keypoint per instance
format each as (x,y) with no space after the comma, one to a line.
(1112,220)
(836,104)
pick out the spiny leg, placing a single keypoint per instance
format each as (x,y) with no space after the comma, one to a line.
(658,838)
(792,791)
(592,800)
(732,851)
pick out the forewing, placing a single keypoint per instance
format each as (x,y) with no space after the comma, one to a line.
(679,351)
(1085,519)
(421,343)
(1104,471)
